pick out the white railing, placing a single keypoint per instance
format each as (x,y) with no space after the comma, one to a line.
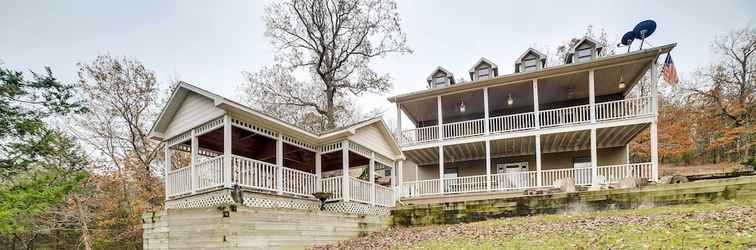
(615,173)
(514,181)
(359,190)
(420,188)
(418,135)
(509,123)
(332,185)
(465,184)
(179,181)
(299,182)
(384,196)
(464,128)
(626,108)
(253,173)
(209,173)
(565,116)
(582,176)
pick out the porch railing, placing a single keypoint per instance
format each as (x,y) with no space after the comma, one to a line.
(384,196)
(299,182)
(253,173)
(179,182)
(359,190)
(525,180)
(333,185)
(550,118)
(464,128)
(209,173)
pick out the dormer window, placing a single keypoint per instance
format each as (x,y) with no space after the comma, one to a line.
(440,77)
(584,53)
(530,60)
(483,69)
(584,50)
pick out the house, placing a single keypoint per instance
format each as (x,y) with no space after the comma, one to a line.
(215,145)
(532,128)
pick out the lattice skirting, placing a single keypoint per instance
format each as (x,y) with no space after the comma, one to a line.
(211,199)
(356,208)
(269,201)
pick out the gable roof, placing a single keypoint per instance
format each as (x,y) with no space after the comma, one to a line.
(599,45)
(483,60)
(183,89)
(442,69)
(528,51)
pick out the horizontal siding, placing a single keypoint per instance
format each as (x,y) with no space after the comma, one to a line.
(193,111)
(372,138)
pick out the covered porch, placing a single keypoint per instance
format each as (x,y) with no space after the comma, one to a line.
(593,157)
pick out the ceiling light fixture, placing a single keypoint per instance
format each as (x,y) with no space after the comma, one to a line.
(462,108)
(621,84)
(510,101)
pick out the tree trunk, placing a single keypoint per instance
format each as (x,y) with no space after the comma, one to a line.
(85,238)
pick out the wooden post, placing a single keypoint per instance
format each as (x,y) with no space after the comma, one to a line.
(654,153)
(318,172)
(536,109)
(194,162)
(167,166)
(398,120)
(227,144)
(539,173)
(440,119)
(345,183)
(279,164)
(488,165)
(486,125)
(592,94)
(594,159)
(399,178)
(441,169)
(371,176)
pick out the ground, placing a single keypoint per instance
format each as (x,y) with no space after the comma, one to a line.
(669,169)
(724,225)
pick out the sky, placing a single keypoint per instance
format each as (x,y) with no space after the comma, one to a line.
(210,43)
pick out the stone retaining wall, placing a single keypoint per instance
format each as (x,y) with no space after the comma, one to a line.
(253,228)
(654,195)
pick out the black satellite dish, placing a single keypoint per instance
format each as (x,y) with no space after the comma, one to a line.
(644,29)
(627,39)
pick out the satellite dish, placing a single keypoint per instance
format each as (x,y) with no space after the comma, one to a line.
(627,39)
(644,29)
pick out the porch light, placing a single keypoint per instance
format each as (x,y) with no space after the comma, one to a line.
(462,107)
(510,101)
(621,84)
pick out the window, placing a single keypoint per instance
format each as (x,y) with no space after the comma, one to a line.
(531,64)
(584,54)
(484,73)
(439,80)
(450,172)
(581,162)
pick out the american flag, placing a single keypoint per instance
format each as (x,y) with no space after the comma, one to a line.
(669,71)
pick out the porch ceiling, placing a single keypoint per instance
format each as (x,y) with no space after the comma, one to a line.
(550,143)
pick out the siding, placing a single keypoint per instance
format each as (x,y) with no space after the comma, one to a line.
(193,111)
(409,171)
(372,138)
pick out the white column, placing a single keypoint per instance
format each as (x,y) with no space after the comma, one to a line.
(441,169)
(227,139)
(536,109)
(592,94)
(345,170)
(167,166)
(654,153)
(486,125)
(279,164)
(193,160)
(318,172)
(399,178)
(654,83)
(627,153)
(371,176)
(594,159)
(440,119)
(488,165)
(539,174)
(398,120)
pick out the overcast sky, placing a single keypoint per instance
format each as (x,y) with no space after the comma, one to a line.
(209,43)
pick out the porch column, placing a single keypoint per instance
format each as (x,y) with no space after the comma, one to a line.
(399,179)
(398,120)
(279,164)
(539,174)
(393,184)
(486,125)
(193,160)
(226,151)
(167,166)
(488,165)
(536,109)
(594,159)
(654,153)
(441,169)
(318,172)
(371,176)
(592,95)
(440,119)
(345,170)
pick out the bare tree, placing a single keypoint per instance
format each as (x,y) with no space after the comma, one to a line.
(332,40)
(728,87)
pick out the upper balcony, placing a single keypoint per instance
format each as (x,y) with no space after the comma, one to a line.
(600,91)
